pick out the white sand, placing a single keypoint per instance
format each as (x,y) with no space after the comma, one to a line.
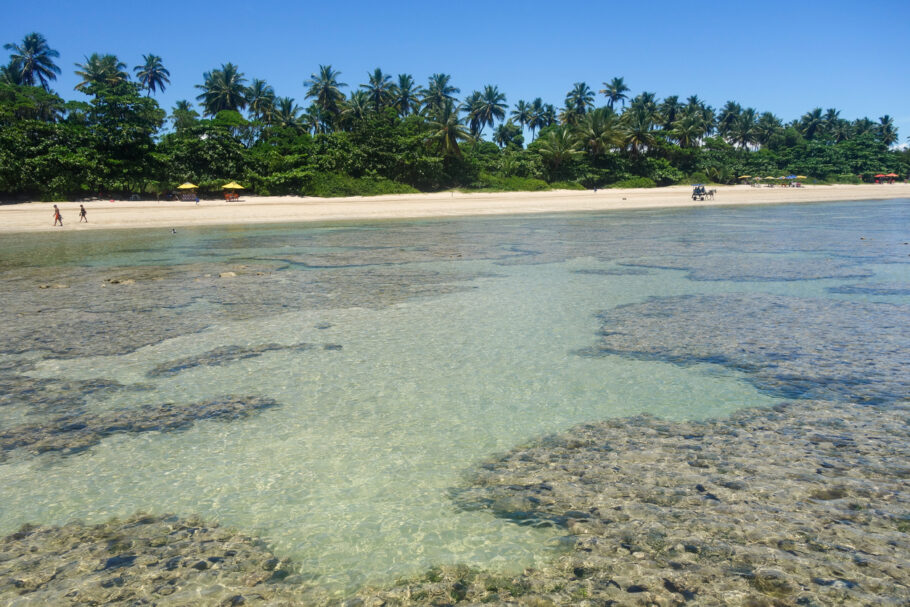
(103,214)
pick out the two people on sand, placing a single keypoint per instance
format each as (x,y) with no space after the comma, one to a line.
(58,218)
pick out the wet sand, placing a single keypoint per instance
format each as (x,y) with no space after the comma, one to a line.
(103,214)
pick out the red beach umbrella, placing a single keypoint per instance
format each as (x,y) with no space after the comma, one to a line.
(892,175)
(881,175)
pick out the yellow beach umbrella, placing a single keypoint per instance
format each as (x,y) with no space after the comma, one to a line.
(801,177)
(770,177)
(745,176)
(187,186)
(232,186)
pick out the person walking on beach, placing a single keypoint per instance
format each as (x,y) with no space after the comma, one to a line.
(57,216)
(82,216)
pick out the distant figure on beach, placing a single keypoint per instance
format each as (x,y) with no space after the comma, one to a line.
(82,216)
(57,216)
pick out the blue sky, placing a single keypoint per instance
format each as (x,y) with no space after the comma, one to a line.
(783,57)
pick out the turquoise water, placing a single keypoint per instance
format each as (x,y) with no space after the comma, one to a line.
(435,345)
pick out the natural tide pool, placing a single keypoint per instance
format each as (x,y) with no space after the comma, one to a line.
(401,355)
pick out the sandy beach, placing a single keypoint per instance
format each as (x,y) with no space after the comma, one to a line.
(104,214)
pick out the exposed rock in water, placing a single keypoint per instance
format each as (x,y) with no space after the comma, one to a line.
(228,354)
(75,432)
(789,346)
(806,504)
(144,560)
(873,288)
(748,268)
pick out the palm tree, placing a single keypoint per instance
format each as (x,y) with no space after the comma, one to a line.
(558,147)
(406,95)
(357,107)
(615,90)
(522,113)
(183,115)
(325,90)
(446,130)
(743,129)
(316,120)
(472,108)
(223,90)
(887,132)
(261,99)
(438,93)
(670,109)
(286,112)
(537,116)
(492,106)
(100,70)
(599,131)
(811,123)
(33,60)
(728,115)
(508,133)
(767,126)
(379,88)
(639,124)
(152,75)
(578,100)
(687,131)
(9,74)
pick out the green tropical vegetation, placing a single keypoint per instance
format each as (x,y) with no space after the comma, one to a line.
(389,134)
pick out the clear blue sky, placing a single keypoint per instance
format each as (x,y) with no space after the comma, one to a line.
(783,57)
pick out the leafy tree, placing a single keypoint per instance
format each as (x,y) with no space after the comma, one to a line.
(223,89)
(183,116)
(152,74)
(32,61)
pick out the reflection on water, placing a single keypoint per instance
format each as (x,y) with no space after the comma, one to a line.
(399,355)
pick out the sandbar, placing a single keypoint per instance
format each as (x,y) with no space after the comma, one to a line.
(118,214)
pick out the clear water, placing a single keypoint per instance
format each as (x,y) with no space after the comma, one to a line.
(349,476)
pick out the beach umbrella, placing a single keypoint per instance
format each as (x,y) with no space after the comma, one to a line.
(745,176)
(232,186)
(791,176)
(892,175)
(770,177)
(881,175)
(187,186)
(801,177)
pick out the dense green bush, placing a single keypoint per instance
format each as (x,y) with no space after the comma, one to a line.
(635,182)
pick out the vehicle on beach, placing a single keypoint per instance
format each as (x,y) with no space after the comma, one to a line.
(700,193)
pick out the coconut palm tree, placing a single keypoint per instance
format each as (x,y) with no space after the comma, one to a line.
(286,113)
(447,129)
(614,91)
(599,131)
(537,116)
(578,101)
(492,106)
(887,132)
(811,123)
(522,113)
(325,90)
(223,90)
(100,70)
(260,97)
(10,75)
(33,61)
(728,115)
(472,108)
(743,129)
(379,88)
(670,110)
(508,133)
(406,95)
(152,74)
(183,115)
(357,107)
(639,124)
(687,130)
(767,126)
(558,147)
(438,92)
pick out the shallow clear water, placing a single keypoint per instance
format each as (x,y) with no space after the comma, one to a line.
(349,476)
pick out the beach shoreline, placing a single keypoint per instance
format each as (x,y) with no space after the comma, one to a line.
(251,210)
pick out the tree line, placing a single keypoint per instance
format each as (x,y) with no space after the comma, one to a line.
(390,134)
